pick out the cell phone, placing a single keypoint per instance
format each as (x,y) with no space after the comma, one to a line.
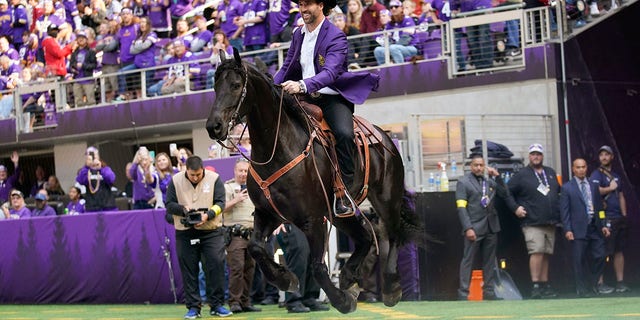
(173,148)
(243,187)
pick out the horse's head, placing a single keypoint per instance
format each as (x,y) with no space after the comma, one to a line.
(231,89)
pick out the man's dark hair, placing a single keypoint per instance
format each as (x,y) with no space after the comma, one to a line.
(475,155)
(194,163)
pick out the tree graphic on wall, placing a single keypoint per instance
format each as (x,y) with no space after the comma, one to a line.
(62,275)
(128,273)
(27,265)
(144,254)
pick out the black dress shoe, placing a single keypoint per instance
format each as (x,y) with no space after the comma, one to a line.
(268,301)
(317,307)
(235,308)
(298,308)
(251,309)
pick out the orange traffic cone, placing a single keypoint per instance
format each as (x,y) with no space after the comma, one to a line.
(475,288)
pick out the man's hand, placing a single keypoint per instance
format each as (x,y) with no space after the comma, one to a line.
(605,232)
(569,236)
(470,234)
(521,212)
(279,229)
(492,172)
(613,185)
(204,217)
(292,87)
(14,158)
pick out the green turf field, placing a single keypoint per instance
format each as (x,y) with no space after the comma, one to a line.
(593,308)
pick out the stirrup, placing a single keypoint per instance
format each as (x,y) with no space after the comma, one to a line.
(354,208)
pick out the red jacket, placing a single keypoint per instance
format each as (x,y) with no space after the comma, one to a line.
(370,20)
(54,56)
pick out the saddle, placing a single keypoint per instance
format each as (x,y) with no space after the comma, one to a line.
(365,136)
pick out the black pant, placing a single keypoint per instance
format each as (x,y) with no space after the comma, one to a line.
(338,112)
(588,253)
(297,256)
(207,246)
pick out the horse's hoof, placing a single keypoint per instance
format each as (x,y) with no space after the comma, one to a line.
(392,299)
(294,285)
(350,300)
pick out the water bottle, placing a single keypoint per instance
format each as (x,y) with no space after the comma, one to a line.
(454,168)
(432,182)
(438,183)
(507,176)
(444,180)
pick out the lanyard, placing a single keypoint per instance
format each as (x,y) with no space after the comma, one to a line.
(546,182)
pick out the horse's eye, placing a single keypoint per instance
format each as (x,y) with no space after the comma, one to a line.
(236,86)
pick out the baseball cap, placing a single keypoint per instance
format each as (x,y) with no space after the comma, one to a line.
(53,26)
(3,2)
(126,11)
(3,168)
(178,42)
(395,3)
(40,196)
(17,193)
(605,148)
(536,147)
(79,34)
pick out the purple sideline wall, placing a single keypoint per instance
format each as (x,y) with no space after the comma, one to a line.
(110,257)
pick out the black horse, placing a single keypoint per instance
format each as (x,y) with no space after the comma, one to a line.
(280,133)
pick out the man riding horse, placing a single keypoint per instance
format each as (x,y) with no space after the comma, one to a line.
(316,65)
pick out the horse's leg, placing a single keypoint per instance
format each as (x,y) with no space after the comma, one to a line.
(344,301)
(264,224)
(350,273)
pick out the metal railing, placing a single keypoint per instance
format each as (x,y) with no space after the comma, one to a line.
(436,43)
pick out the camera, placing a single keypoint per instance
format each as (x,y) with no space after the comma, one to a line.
(192,217)
(243,187)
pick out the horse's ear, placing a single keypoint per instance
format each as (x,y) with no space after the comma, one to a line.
(223,55)
(236,55)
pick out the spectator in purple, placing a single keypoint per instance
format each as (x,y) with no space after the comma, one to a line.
(75,205)
(8,50)
(48,18)
(143,48)
(479,36)
(107,42)
(401,41)
(42,209)
(28,52)
(18,208)
(98,178)
(354,54)
(230,11)
(220,43)
(160,17)
(81,65)
(8,182)
(182,32)
(165,173)
(19,21)
(145,179)
(280,20)
(254,23)
(126,36)
(179,9)
(202,37)
(72,14)
(8,68)
(114,8)
(5,19)
(175,80)
(138,8)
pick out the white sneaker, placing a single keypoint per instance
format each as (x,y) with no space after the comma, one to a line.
(614,5)
(593,9)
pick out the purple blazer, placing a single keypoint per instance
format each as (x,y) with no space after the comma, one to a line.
(330,62)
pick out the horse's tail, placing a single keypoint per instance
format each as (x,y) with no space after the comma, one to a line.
(411,228)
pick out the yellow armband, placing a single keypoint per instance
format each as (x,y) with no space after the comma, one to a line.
(216,209)
(601,214)
(461,203)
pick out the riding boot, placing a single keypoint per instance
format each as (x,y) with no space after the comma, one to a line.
(343,204)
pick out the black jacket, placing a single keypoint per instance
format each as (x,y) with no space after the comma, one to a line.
(541,209)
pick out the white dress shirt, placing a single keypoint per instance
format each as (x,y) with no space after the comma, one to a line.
(307,53)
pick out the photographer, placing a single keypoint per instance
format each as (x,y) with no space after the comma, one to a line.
(238,217)
(199,234)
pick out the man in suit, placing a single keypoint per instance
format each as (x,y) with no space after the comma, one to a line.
(582,217)
(475,196)
(316,64)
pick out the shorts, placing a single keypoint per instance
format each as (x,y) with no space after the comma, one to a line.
(617,241)
(539,239)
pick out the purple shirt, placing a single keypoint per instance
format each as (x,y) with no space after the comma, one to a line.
(20,214)
(279,15)
(396,35)
(178,70)
(20,20)
(109,57)
(47,211)
(5,23)
(226,14)
(256,33)
(142,190)
(146,58)
(126,36)
(159,15)
(12,54)
(75,207)
(27,54)
(200,41)
(164,183)
(180,7)
(7,185)
(70,10)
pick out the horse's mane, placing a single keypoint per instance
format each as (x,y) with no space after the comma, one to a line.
(289,103)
